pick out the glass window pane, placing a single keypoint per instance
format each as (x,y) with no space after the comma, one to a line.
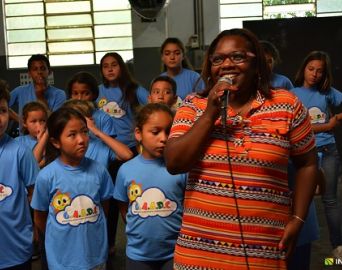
(235,22)
(329,6)
(24,9)
(69,20)
(27,48)
(18,61)
(112,17)
(241,10)
(110,5)
(71,59)
(76,46)
(289,8)
(71,33)
(25,35)
(21,1)
(239,1)
(68,7)
(107,44)
(329,14)
(113,30)
(25,22)
(126,55)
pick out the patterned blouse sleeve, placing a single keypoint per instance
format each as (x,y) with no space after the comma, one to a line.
(302,138)
(184,118)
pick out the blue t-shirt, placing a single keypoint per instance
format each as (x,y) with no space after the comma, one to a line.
(99,151)
(318,104)
(18,170)
(104,122)
(187,81)
(76,232)
(26,93)
(27,140)
(281,81)
(155,207)
(110,101)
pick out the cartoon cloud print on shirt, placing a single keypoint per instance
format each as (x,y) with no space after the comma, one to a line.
(153,202)
(5,192)
(113,109)
(317,116)
(82,209)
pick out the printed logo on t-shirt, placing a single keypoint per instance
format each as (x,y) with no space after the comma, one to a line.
(5,192)
(79,210)
(150,202)
(112,108)
(316,115)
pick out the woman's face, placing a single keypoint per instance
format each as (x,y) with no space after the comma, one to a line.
(237,61)
(313,73)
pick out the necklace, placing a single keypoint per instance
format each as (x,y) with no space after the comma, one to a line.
(245,108)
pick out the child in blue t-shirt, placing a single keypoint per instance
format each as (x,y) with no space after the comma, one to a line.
(35,134)
(120,96)
(150,198)
(163,89)
(70,197)
(39,90)
(18,171)
(102,147)
(84,86)
(177,66)
(313,87)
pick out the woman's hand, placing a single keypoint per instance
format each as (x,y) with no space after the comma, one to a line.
(288,241)
(216,95)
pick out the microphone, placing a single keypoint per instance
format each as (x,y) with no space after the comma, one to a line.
(224,99)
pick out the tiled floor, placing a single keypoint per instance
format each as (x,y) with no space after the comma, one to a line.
(321,248)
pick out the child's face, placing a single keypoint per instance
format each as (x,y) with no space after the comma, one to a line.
(269,60)
(313,73)
(110,69)
(35,122)
(73,142)
(4,116)
(39,72)
(81,91)
(172,56)
(154,134)
(161,92)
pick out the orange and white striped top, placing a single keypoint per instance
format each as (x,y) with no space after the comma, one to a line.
(259,147)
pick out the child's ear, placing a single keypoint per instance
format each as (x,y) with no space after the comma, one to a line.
(55,143)
(137,134)
(149,99)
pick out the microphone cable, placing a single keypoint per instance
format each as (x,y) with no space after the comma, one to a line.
(225,135)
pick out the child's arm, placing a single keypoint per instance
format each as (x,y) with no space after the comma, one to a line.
(40,218)
(105,206)
(121,150)
(14,116)
(123,207)
(29,193)
(39,149)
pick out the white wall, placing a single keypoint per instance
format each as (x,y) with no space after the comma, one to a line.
(176,20)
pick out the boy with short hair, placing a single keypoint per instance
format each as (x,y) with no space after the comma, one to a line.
(163,89)
(18,172)
(39,90)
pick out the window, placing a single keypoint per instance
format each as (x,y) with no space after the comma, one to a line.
(234,12)
(68,32)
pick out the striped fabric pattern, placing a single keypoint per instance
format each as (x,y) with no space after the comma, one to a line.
(259,147)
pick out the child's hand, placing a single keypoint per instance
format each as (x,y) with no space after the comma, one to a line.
(91,126)
(333,121)
(43,134)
